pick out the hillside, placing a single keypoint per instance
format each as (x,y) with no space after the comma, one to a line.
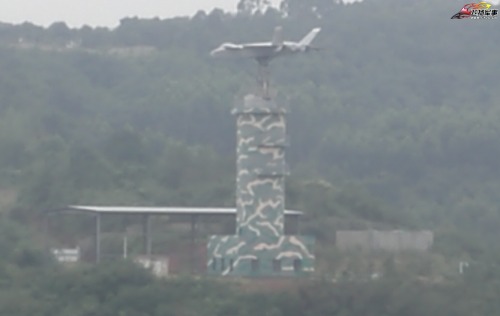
(393,124)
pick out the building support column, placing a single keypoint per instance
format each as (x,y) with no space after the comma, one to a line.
(147,235)
(194,260)
(98,238)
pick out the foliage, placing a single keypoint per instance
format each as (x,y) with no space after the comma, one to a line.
(383,109)
(393,125)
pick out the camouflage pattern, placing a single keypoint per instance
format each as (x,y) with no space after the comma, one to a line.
(260,247)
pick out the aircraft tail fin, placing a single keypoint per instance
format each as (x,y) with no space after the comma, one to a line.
(307,40)
(278,36)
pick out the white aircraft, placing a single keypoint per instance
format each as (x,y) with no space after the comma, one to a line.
(264,52)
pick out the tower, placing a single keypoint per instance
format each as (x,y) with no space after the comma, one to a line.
(260,247)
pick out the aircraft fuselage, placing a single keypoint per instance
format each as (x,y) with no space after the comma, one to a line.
(263,52)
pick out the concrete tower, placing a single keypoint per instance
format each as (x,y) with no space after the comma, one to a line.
(260,247)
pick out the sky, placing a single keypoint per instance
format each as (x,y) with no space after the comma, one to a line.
(101,12)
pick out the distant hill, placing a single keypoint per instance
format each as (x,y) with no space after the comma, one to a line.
(401,104)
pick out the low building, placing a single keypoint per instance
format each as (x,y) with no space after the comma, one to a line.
(396,240)
(159,266)
(66,255)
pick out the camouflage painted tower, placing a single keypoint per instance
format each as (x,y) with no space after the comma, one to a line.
(260,247)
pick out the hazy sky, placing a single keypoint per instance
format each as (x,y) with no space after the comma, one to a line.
(101,12)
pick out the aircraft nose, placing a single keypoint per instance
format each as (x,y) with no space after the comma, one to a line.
(215,52)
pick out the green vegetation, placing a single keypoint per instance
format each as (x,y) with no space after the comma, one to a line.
(395,124)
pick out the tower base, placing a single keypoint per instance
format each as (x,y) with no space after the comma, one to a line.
(285,256)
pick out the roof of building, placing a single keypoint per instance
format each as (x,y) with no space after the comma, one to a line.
(137,210)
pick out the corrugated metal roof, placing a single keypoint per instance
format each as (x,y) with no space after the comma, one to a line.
(161,210)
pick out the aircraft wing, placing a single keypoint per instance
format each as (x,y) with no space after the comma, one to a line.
(258,45)
(233,47)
